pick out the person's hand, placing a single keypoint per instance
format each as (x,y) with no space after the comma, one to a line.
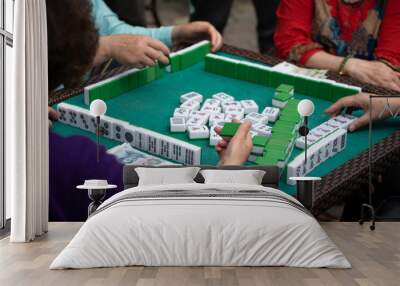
(195,32)
(237,150)
(373,72)
(133,50)
(361,100)
(53,116)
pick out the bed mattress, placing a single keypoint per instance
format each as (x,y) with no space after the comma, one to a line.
(201,225)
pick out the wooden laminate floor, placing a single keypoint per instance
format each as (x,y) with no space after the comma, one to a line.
(375,257)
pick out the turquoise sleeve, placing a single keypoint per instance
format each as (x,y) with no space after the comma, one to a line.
(108,23)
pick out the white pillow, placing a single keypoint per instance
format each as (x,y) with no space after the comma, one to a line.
(246,177)
(166,176)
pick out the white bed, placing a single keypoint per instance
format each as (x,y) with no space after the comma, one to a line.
(246,225)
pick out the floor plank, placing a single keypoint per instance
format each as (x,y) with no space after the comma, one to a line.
(375,257)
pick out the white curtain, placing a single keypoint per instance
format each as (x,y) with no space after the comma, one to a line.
(27,124)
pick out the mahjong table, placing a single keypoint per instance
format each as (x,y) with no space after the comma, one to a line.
(152,105)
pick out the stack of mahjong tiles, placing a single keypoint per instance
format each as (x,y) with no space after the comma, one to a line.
(324,142)
(135,78)
(278,149)
(269,77)
(140,138)
(122,83)
(200,119)
(189,56)
(283,93)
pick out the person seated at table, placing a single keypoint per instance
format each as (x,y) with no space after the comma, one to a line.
(237,150)
(73,159)
(73,42)
(360,38)
(139,46)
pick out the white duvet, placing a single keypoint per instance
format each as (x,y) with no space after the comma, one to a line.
(200,232)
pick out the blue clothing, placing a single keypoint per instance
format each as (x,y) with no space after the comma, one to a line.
(108,23)
(72,161)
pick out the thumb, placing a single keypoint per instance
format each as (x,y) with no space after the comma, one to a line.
(360,122)
(243,130)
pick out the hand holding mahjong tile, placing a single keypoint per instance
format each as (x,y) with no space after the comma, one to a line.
(235,151)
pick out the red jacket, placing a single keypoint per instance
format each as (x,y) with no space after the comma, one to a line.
(295,28)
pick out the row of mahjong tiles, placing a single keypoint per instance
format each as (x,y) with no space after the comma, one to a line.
(150,107)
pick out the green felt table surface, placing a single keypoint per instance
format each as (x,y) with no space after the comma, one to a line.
(152,105)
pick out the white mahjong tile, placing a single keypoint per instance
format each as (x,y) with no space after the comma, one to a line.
(252,158)
(272,113)
(119,130)
(196,121)
(191,96)
(316,133)
(85,121)
(106,126)
(311,161)
(253,133)
(345,120)
(63,113)
(203,114)
(177,124)
(230,104)
(72,115)
(342,135)
(257,118)
(249,106)
(300,142)
(192,105)
(229,117)
(236,110)
(223,97)
(278,103)
(209,109)
(333,124)
(212,102)
(182,112)
(198,132)
(129,135)
(262,129)
(216,117)
(214,138)
(153,143)
(165,148)
(327,129)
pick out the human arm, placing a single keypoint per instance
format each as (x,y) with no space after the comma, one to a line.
(140,51)
(372,72)
(133,50)
(361,101)
(237,150)
(109,24)
(388,48)
(197,31)
(293,37)
(294,42)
